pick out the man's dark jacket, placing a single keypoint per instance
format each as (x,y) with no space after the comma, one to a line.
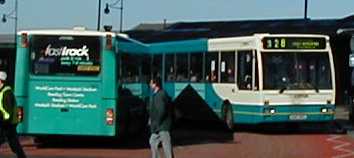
(160,112)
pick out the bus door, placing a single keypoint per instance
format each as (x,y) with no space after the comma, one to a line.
(247,76)
(227,67)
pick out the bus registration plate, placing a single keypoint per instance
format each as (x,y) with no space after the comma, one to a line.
(298,117)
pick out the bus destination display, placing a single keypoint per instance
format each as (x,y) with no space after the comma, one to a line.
(294,43)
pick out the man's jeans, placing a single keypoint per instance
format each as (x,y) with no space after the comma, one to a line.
(164,138)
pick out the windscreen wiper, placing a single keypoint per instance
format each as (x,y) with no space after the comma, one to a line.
(281,91)
(316,88)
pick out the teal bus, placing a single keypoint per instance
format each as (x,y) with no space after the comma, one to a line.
(67,83)
(263,78)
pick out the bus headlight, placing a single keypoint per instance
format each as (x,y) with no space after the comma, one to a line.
(324,110)
(270,111)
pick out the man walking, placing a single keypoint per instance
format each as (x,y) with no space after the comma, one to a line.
(160,120)
(8,117)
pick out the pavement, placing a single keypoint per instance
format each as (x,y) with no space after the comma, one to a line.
(342,119)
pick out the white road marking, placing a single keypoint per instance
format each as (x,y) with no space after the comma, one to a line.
(340,146)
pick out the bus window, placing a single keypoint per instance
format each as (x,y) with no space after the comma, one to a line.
(227,67)
(314,71)
(156,67)
(278,70)
(212,66)
(146,70)
(352,44)
(352,77)
(65,55)
(170,68)
(196,67)
(244,71)
(256,77)
(3,64)
(293,70)
(130,68)
(182,67)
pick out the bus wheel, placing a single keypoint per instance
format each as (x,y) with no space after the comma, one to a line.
(228,116)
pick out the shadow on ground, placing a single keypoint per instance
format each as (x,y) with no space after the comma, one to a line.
(184,133)
(188,132)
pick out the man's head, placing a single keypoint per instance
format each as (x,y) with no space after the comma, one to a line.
(3,76)
(155,83)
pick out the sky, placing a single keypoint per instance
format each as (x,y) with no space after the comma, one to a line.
(48,14)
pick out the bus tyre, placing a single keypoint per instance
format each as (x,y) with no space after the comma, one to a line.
(228,116)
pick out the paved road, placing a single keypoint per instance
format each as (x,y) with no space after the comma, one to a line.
(213,141)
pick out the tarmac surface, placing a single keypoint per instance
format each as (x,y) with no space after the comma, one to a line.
(212,140)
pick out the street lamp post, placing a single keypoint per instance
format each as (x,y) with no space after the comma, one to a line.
(113,5)
(305,14)
(99,15)
(12,15)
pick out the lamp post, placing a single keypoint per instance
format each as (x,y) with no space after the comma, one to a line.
(99,15)
(113,5)
(305,14)
(12,15)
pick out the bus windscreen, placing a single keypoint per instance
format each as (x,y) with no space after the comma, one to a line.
(65,55)
(296,71)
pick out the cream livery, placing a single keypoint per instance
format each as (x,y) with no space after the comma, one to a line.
(290,78)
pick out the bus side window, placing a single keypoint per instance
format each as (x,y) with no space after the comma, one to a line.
(227,67)
(156,65)
(130,68)
(196,67)
(182,67)
(170,67)
(244,73)
(212,67)
(146,70)
(256,86)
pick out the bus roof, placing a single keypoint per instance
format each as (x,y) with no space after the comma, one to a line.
(261,35)
(250,42)
(199,45)
(68,32)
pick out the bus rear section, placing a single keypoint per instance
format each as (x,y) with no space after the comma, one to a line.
(65,84)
